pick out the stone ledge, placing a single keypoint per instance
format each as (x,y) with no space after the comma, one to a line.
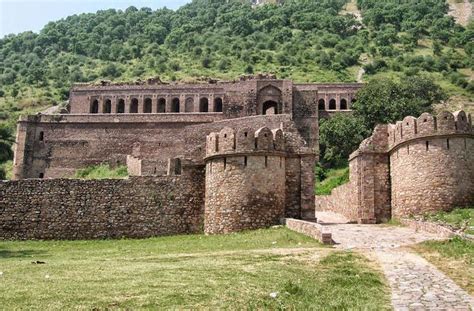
(429,227)
(311,229)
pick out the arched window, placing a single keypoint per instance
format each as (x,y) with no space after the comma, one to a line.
(95,106)
(321,104)
(189,105)
(343,104)
(175,105)
(161,105)
(204,105)
(218,104)
(107,106)
(332,104)
(353,102)
(134,106)
(121,106)
(270,107)
(147,105)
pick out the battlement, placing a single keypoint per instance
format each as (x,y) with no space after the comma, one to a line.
(427,125)
(244,141)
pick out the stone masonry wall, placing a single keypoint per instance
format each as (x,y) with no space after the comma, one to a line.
(245,180)
(243,195)
(84,209)
(415,166)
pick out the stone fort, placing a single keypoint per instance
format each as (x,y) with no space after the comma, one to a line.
(220,157)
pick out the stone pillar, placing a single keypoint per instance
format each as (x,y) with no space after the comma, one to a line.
(154,104)
(182,103)
(101,104)
(326,101)
(141,105)
(307,187)
(197,98)
(168,103)
(114,103)
(128,102)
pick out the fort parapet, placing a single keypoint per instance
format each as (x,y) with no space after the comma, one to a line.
(245,179)
(414,166)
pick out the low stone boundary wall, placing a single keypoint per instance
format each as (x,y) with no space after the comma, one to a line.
(429,227)
(71,209)
(311,229)
(339,201)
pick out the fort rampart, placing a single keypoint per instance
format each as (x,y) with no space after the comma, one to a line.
(412,167)
(84,209)
(245,179)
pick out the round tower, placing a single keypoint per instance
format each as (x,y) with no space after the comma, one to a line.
(245,180)
(431,163)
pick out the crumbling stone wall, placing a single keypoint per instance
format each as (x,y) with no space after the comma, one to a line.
(84,209)
(412,167)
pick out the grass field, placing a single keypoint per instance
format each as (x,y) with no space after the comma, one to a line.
(240,271)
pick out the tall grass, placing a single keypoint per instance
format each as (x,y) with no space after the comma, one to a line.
(334,178)
(102,171)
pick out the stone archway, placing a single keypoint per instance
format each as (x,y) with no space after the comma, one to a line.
(269,100)
(270,107)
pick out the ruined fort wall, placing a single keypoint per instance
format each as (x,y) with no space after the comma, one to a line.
(56,146)
(243,195)
(415,166)
(85,209)
(245,180)
(432,163)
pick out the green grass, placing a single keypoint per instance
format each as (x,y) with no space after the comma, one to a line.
(103,171)
(454,257)
(458,218)
(189,272)
(334,178)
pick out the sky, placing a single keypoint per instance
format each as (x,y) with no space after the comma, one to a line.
(22,15)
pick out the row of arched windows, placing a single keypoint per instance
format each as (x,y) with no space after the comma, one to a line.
(161,105)
(343,104)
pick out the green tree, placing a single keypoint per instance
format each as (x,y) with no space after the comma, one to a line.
(339,137)
(385,100)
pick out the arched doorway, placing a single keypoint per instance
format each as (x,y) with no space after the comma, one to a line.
(343,104)
(270,107)
(218,104)
(321,104)
(95,106)
(147,107)
(332,104)
(134,106)
(204,105)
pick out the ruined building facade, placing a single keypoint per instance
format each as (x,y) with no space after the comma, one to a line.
(223,156)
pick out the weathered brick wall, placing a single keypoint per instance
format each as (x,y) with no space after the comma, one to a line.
(84,209)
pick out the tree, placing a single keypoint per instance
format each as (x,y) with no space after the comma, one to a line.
(340,136)
(6,141)
(387,101)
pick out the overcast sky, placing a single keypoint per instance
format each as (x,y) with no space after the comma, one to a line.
(22,15)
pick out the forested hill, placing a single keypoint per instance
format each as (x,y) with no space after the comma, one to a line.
(317,40)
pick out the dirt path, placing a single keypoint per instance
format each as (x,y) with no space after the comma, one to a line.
(416,284)
(462,12)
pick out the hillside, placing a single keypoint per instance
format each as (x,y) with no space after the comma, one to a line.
(311,41)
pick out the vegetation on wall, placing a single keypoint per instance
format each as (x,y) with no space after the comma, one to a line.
(102,171)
